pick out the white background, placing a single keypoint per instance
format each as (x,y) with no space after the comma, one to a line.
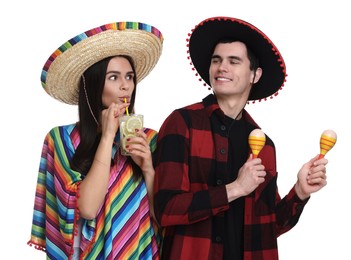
(313,37)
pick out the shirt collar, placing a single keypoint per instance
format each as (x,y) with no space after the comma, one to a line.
(211,106)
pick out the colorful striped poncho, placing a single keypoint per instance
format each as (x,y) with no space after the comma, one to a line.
(123,228)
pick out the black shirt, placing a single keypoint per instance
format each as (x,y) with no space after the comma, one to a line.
(238,151)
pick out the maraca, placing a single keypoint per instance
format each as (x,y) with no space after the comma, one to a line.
(327,141)
(257,140)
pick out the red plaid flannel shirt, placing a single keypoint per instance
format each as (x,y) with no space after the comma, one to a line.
(187,199)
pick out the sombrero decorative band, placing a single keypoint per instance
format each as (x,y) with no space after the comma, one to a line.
(62,71)
(208,33)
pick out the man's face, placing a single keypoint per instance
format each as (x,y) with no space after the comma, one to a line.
(230,73)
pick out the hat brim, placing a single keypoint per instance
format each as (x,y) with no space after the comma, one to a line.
(62,72)
(209,32)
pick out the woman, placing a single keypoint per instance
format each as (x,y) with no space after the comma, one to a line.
(92,202)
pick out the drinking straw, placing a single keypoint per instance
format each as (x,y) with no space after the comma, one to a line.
(125,101)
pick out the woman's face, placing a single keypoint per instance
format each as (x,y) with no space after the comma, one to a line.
(119,84)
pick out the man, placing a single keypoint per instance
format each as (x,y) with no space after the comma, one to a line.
(213,198)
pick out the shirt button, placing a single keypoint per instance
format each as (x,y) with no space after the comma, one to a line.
(218,239)
(223,127)
(222,151)
(219,182)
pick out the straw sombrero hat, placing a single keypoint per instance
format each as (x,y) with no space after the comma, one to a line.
(62,71)
(207,34)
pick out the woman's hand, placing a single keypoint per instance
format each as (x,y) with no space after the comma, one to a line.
(139,150)
(109,119)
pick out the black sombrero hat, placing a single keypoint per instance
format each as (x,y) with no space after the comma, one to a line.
(209,32)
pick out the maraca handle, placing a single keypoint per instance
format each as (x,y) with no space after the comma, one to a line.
(321,156)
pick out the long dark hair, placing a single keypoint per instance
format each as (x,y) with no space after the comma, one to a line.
(91,87)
